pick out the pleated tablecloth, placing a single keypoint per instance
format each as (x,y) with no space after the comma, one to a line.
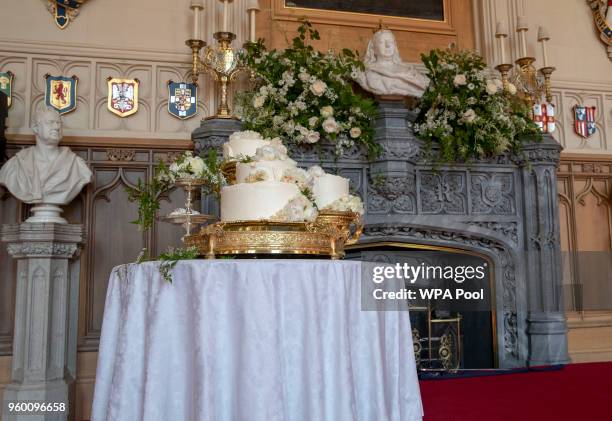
(251,340)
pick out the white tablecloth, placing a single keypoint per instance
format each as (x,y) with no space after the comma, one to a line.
(251,340)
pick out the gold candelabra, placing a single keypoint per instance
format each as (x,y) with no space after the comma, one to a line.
(531,84)
(221,62)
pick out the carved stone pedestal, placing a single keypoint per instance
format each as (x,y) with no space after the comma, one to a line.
(46,312)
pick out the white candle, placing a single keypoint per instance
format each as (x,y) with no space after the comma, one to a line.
(522,27)
(543,37)
(252,26)
(196,6)
(252,8)
(224,15)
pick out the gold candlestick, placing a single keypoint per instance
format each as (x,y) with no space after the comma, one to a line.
(504,70)
(547,72)
(196,45)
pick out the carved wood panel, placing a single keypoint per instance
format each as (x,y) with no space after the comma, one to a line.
(585,213)
(111,238)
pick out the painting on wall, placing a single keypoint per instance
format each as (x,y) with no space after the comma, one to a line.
(415,9)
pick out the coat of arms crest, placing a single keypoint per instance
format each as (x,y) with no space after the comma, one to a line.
(544,117)
(584,121)
(182,99)
(61,93)
(123,96)
(6,84)
(64,11)
(602,14)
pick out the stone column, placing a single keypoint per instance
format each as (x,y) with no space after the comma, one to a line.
(546,325)
(46,312)
(211,134)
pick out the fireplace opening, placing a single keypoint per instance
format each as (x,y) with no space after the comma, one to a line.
(449,333)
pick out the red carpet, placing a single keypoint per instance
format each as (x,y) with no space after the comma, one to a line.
(577,392)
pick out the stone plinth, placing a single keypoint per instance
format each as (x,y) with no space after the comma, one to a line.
(46,312)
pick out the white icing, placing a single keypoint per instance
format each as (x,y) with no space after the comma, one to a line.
(329,188)
(255,201)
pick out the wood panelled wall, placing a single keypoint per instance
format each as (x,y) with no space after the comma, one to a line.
(107,214)
(585,213)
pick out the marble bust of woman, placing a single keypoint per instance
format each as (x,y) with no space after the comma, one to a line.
(385,72)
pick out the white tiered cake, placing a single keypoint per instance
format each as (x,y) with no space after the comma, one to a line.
(271,187)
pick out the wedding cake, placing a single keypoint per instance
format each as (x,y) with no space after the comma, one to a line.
(243,144)
(270,186)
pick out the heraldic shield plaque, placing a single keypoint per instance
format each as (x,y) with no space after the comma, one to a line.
(182,99)
(61,93)
(122,96)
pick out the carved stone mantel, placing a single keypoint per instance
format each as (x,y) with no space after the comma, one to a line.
(46,312)
(503,208)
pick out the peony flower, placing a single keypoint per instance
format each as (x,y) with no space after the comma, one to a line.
(330,125)
(259,101)
(460,80)
(327,111)
(491,88)
(316,171)
(512,89)
(312,137)
(318,87)
(355,132)
(312,121)
(469,116)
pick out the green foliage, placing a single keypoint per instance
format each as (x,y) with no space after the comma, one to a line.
(170,258)
(304,96)
(468,114)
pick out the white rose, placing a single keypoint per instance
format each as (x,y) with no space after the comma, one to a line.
(259,101)
(197,165)
(512,89)
(318,87)
(330,125)
(327,111)
(355,132)
(312,121)
(312,137)
(491,88)
(469,116)
(316,171)
(460,80)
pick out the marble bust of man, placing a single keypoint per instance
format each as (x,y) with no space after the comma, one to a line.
(385,72)
(46,174)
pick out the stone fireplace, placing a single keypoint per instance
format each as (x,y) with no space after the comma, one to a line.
(504,209)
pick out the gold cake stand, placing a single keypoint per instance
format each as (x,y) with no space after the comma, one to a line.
(268,237)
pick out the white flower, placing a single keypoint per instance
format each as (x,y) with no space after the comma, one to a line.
(318,87)
(259,101)
(303,130)
(460,80)
(304,77)
(491,88)
(469,116)
(316,171)
(196,164)
(312,121)
(330,125)
(313,137)
(327,111)
(355,132)
(512,89)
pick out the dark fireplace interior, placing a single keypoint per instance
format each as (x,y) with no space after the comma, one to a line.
(448,334)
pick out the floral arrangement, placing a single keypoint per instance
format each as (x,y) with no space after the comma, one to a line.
(185,166)
(306,96)
(348,203)
(467,113)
